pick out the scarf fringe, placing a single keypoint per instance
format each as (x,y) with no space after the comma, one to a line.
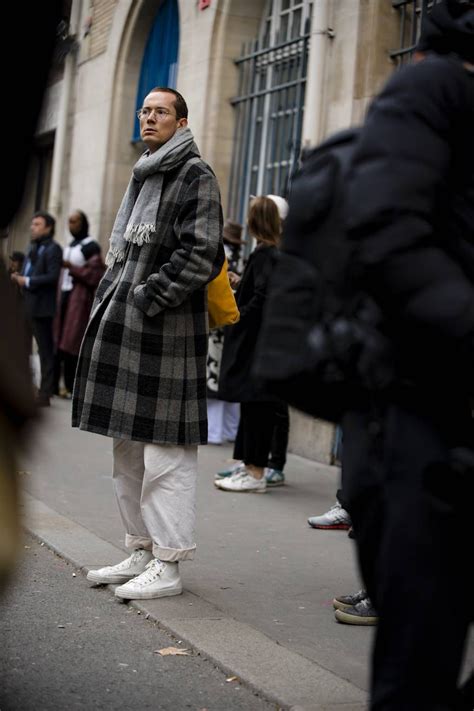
(139,234)
(113,256)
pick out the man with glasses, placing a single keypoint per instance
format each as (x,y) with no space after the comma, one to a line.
(141,376)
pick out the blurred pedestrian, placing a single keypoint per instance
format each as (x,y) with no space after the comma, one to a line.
(259,412)
(16,261)
(16,392)
(233,243)
(141,377)
(16,409)
(39,281)
(408,460)
(223,417)
(274,471)
(82,271)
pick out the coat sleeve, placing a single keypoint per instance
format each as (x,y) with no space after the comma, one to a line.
(398,181)
(192,264)
(53,260)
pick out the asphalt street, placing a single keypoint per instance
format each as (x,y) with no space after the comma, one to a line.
(67,645)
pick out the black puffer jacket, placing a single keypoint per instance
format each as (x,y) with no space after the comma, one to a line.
(411,216)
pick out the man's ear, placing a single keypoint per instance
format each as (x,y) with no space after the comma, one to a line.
(183,122)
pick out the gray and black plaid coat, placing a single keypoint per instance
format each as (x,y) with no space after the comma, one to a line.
(142,368)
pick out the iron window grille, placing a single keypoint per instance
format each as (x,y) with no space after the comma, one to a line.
(270,102)
(269,105)
(411,15)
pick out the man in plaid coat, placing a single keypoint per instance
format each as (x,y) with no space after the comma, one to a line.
(141,376)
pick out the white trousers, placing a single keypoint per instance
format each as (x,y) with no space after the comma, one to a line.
(155,486)
(223,420)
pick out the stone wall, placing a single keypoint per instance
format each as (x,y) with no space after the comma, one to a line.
(102,18)
(208,78)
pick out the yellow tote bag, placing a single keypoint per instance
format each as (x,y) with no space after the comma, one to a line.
(221,303)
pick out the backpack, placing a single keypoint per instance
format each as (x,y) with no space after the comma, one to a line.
(321,347)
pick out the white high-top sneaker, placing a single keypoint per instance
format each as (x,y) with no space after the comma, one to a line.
(120,573)
(160,579)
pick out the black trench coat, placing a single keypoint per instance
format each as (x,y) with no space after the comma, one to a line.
(235,382)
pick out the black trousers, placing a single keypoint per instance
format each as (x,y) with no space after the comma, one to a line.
(43,333)
(281,433)
(66,361)
(262,437)
(408,483)
(69,365)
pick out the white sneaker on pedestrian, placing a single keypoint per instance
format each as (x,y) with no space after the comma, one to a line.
(231,470)
(160,579)
(242,482)
(274,477)
(336,518)
(120,573)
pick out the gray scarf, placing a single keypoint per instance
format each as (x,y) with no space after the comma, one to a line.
(136,218)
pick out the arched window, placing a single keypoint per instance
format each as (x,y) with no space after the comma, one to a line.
(269,108)
(160,60)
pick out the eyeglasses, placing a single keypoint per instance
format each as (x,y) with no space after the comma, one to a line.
(161,114)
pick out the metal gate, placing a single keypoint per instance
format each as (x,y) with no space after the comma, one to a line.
(269,107)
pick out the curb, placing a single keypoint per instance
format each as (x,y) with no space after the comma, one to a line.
(276,673)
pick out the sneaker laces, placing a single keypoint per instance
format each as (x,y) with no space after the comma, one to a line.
(152,571)
(239,474)
(228,473)
(337,513)
(246,475)
(359,596)
(236,468)
(364,604)
(131,560)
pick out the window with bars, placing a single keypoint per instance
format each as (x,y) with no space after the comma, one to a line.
(269,106)
(270,102)
(411,14)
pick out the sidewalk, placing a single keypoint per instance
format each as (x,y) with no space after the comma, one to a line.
(258,595)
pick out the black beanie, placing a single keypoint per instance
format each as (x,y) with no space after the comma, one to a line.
(449,28)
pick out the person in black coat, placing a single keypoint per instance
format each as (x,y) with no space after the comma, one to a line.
(259,412)
(408,462)
(39,282)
